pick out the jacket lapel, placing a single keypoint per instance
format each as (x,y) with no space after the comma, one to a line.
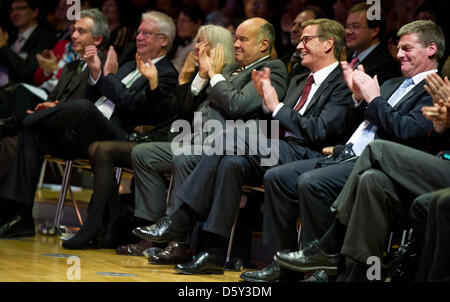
(323,87)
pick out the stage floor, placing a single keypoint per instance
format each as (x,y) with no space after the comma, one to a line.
(42,259)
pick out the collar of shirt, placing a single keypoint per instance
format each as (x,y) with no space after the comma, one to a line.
(154,61)
(27,33)
(421,76)
(322,74)
(248,66)
(363,54)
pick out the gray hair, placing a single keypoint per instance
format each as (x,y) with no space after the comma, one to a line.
(216,34)
(427,32)
(266,31)
(165,23)
(100,27)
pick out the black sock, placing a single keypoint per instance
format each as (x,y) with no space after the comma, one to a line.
(184,216)
(215,243)
(332,241)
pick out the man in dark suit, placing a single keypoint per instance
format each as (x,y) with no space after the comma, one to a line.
(67,129)
(312,116)
(231,95)
(365,45)
(18,60)
(395,111)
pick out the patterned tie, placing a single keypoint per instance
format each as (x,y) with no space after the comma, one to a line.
(354,62)
(305,93)
(238,70)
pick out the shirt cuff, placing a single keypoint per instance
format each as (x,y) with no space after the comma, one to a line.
(216,79)
(356,104)
(198,84)
(91,80)
(277,109)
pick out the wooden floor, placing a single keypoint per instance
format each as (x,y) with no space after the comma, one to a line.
(42,259)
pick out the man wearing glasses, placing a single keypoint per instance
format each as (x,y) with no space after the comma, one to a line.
(18,56)
(364,46)
(312,116)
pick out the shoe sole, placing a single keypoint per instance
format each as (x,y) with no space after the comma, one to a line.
(257,280)
(205,272)
(327,269)
(158,239)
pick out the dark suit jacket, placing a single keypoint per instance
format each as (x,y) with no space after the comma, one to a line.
(21,70)
(379,62)
(133,106)
(72,84)
(325,119)
(236,98)
(405,123)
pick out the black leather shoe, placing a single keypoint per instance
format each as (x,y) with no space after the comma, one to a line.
(319,276)
(311,258)
(270,273)
(204,263)
(174,253)
(134,249)
(163,231)
(17,226)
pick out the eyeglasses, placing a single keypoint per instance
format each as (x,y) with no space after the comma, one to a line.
(18,8)
(146,34)
(354,27)
(305,39)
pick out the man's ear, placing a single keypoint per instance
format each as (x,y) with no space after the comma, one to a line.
(264,46)
(329,44)
(98,40)
(375,32)
(431,49)
(165,41)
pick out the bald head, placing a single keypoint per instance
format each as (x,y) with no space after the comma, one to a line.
(254,40)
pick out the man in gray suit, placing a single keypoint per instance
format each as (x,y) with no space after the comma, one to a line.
(230,95)
(312,115)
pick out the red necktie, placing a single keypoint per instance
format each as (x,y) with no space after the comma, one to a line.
(353,62)
(305,93)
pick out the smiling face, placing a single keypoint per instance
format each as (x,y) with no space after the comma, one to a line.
(150,42)
(82,35)
(358,36)
(414,57)
(312,49)
(247,47)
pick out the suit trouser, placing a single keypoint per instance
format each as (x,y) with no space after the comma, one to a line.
(435,261)
(214,188)
(384,182)
(152,162)
(281,204)
(65,131)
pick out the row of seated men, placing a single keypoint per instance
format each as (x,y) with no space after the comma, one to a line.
(236,79)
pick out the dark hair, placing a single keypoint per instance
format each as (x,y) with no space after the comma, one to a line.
(381,23)
(33,4)
(194,12)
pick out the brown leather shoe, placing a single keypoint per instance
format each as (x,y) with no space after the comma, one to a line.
(134,249)
(174,253)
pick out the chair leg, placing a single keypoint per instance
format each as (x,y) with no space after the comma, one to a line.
(42,174)
(230,242)
(62,195)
